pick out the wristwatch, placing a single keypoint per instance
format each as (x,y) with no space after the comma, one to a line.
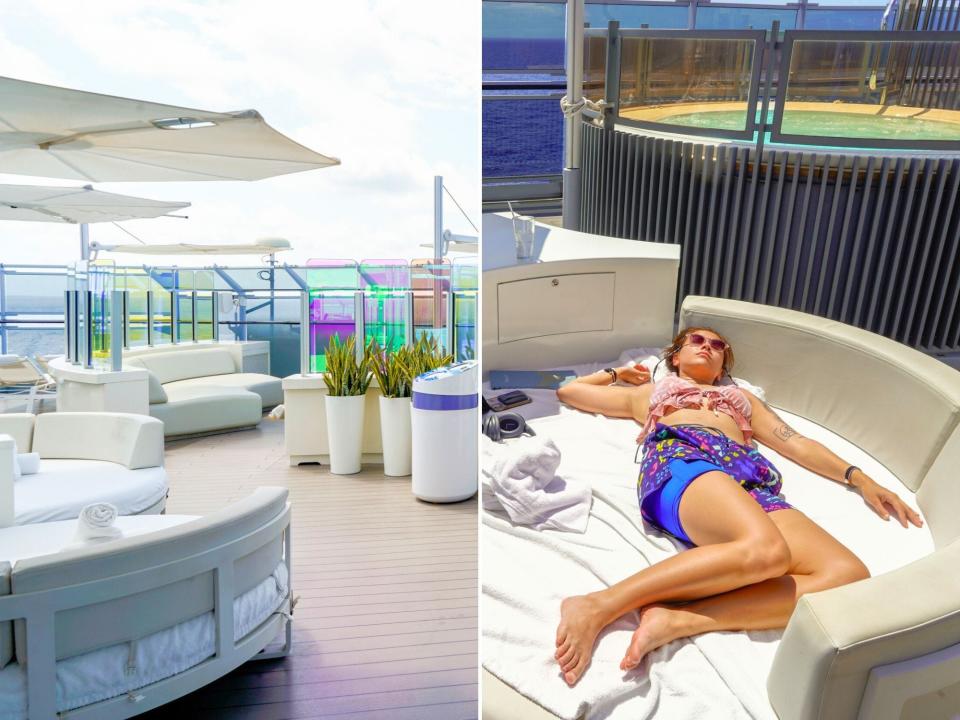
(612,373)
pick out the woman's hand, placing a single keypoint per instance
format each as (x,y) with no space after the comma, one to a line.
(633,374)
(879,498)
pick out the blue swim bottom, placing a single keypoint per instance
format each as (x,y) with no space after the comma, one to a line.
(675,456)
(664,503)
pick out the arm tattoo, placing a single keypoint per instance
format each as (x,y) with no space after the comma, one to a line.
(782,431)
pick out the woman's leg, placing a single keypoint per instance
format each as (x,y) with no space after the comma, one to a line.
(819,562)
(738,545)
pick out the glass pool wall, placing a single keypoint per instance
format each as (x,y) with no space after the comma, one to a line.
(820,173)
(159,305)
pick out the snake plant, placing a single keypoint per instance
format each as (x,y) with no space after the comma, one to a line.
(345,373)
(390,370)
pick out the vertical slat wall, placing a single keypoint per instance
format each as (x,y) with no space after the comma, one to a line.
(870,241)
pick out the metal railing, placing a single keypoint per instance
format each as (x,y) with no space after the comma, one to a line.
(52,320)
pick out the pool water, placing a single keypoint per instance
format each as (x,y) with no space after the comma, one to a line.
(829,124)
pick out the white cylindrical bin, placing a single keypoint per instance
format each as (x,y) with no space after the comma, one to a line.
(446,427)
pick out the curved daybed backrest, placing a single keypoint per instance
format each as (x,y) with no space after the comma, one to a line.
(134,441)
(151,556)
(897,404)
(169,366)
(868,648)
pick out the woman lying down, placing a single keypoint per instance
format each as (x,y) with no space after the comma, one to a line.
(703,481)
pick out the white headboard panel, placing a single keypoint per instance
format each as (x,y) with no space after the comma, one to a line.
(583,297)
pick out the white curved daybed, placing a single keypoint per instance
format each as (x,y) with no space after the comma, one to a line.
(86,458)
(873,649)
(125,626)
(197,390)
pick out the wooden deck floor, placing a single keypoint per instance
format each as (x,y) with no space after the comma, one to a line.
(386,626)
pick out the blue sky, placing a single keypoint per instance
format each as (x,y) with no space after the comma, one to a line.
(390,88)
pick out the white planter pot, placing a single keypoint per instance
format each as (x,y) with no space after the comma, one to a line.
(395,435)
(345,432)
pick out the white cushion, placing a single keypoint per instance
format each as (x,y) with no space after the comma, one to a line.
(200,408)
(63,487)
(268,387)
(19,426)
(182,364)
(28,463)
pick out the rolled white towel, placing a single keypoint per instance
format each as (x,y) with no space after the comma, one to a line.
(10,360)
(95,524)
(29,463)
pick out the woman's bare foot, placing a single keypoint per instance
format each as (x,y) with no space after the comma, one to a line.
(581,620)
(657,627)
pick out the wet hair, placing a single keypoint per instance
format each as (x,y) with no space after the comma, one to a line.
(678,342)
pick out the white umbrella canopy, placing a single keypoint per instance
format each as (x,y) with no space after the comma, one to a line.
(77,205)
(259,247)
(58,132)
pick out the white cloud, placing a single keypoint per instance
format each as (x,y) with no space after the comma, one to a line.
(391,88)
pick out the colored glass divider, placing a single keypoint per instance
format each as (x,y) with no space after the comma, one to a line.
(332,287)
(165,282)
(464,285)
(385,284)
(101,282)
(430,282)
(137,283)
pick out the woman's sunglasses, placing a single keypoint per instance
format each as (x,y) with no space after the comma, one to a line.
(698,339)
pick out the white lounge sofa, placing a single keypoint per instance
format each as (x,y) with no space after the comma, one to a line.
(85,458)
(198,390)
(127,625)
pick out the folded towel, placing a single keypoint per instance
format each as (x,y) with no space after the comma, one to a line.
(29,463)
(95,524)
(521,475)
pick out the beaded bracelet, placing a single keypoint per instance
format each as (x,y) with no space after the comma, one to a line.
(848,473)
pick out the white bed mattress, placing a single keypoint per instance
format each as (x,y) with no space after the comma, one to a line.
(716,675)
(63,487)
(106,673)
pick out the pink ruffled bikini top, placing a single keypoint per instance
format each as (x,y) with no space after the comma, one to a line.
(675,392)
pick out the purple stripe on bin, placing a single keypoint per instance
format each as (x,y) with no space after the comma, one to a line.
(428,401)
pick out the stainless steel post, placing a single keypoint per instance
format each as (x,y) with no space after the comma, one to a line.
(125,297)
(75,340)
(437,217)
(359,324)
(193,315)
(304,332)
(88,329)
(451,324)
(409,327)
(215,315)
(118,304)
(67,319)
(767,87)
(149,318)
(174,317)
(571,130)
(611,87)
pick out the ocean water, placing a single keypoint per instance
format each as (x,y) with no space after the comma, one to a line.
(522,137)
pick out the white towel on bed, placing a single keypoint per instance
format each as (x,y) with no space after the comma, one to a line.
(96,524)
(523,478)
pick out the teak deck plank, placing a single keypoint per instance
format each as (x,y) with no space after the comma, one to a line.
(386,624)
